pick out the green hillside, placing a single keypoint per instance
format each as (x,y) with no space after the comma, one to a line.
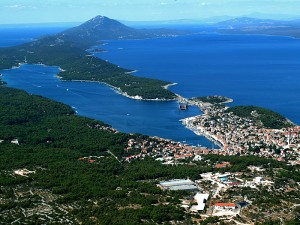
(268,118)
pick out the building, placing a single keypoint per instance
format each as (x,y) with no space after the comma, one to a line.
(258,180)
(15,141)
(223,165)
(197,158)
(23,172)
(222,206)
(183,105)
(201,200)
(176,185)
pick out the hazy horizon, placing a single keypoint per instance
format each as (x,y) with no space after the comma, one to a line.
(66,11)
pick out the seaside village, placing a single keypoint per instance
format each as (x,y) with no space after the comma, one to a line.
(242,136)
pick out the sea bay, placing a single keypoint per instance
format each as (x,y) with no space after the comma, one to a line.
(98,101)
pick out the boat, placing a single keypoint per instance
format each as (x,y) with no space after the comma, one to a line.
(183,105)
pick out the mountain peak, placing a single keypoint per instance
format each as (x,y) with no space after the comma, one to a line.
(103,28)
(98,28)
(99,19)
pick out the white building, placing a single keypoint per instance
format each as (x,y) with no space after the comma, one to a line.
(15,141)
(201,200)
(258,180)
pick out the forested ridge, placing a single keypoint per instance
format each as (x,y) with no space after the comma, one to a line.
(51,141)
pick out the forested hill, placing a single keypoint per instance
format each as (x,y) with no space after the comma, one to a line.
(68,51)
(266,117)
(51,140)
(46,137)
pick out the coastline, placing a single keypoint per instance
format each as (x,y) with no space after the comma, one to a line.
(169,85)
(200,132)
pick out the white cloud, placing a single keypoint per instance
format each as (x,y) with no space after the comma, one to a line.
(15,6)
(164,3)
(19,6)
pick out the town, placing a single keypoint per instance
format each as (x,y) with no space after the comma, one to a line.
(243,136)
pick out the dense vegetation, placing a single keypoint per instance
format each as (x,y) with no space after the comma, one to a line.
(52,139)
(268,118)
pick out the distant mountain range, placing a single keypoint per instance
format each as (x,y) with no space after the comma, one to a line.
(247,22)
(231,25)
(246,25)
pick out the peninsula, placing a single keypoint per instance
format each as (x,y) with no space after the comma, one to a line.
(68,51)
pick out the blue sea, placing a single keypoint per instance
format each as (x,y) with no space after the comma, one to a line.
(15,34)
(251,69)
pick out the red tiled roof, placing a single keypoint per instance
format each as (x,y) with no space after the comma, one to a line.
(225,204)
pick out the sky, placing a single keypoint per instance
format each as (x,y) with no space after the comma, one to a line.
(43,11)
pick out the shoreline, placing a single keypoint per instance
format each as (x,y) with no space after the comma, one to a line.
(116,89)
(199,131)
(169,85)
(119,91)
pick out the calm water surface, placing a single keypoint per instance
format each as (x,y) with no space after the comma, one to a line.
(100,102)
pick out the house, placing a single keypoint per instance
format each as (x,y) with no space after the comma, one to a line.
(221,206)
(15,141)
(222,165)
(197,158)
(23,172)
